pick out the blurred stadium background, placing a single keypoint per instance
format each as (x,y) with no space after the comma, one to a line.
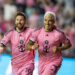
(35,9)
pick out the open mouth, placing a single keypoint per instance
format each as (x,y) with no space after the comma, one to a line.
(19,24)
(47,25)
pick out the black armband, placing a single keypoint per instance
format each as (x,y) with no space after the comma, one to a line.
(60,44)
(2,45)
(31,42)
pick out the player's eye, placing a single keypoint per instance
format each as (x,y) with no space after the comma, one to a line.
(16,19)
(45,19)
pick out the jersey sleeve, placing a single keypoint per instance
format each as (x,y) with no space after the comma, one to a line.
(6,38)
(63,38)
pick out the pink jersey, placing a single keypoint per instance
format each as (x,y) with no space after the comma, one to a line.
(20,56)
(46,41)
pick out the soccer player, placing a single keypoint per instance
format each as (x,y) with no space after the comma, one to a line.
(22,59)
(50,42)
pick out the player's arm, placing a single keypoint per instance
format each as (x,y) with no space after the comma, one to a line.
(31,45)
(1,47)
(61,48)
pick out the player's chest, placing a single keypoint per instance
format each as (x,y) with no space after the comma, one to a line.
(19,38)
(48,38)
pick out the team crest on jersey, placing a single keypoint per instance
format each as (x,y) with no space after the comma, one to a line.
(29,71)
(46,47)
(21,46)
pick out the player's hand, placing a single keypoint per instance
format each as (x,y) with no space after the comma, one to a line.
(35,46)
(1,49)
(55,49)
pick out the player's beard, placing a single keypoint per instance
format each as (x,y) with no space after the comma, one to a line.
(48,28)
(20,26)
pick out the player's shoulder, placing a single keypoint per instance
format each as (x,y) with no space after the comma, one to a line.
(10,31)
(29,29)
(59,31)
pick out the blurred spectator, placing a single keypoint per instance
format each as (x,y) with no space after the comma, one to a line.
(4,25)
(34,20)
(71,34)
(68,18)
(69,5)
(40,7)
(1,2)
(29,10)
(9,10)
(49,6)
(20,5)
(30,2)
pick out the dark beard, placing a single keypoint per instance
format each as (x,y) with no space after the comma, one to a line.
(20,27)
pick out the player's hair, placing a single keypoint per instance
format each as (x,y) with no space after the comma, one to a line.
(50,13)
(21,14)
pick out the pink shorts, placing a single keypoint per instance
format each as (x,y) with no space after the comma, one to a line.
(24,70)
(50,69)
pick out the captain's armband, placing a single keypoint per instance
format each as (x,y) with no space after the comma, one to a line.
(2,45)
(31,42)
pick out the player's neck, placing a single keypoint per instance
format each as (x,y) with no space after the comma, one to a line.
(48,30)
(20,30)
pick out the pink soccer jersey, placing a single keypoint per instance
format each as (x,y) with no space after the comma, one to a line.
(48,61)
(22,59)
